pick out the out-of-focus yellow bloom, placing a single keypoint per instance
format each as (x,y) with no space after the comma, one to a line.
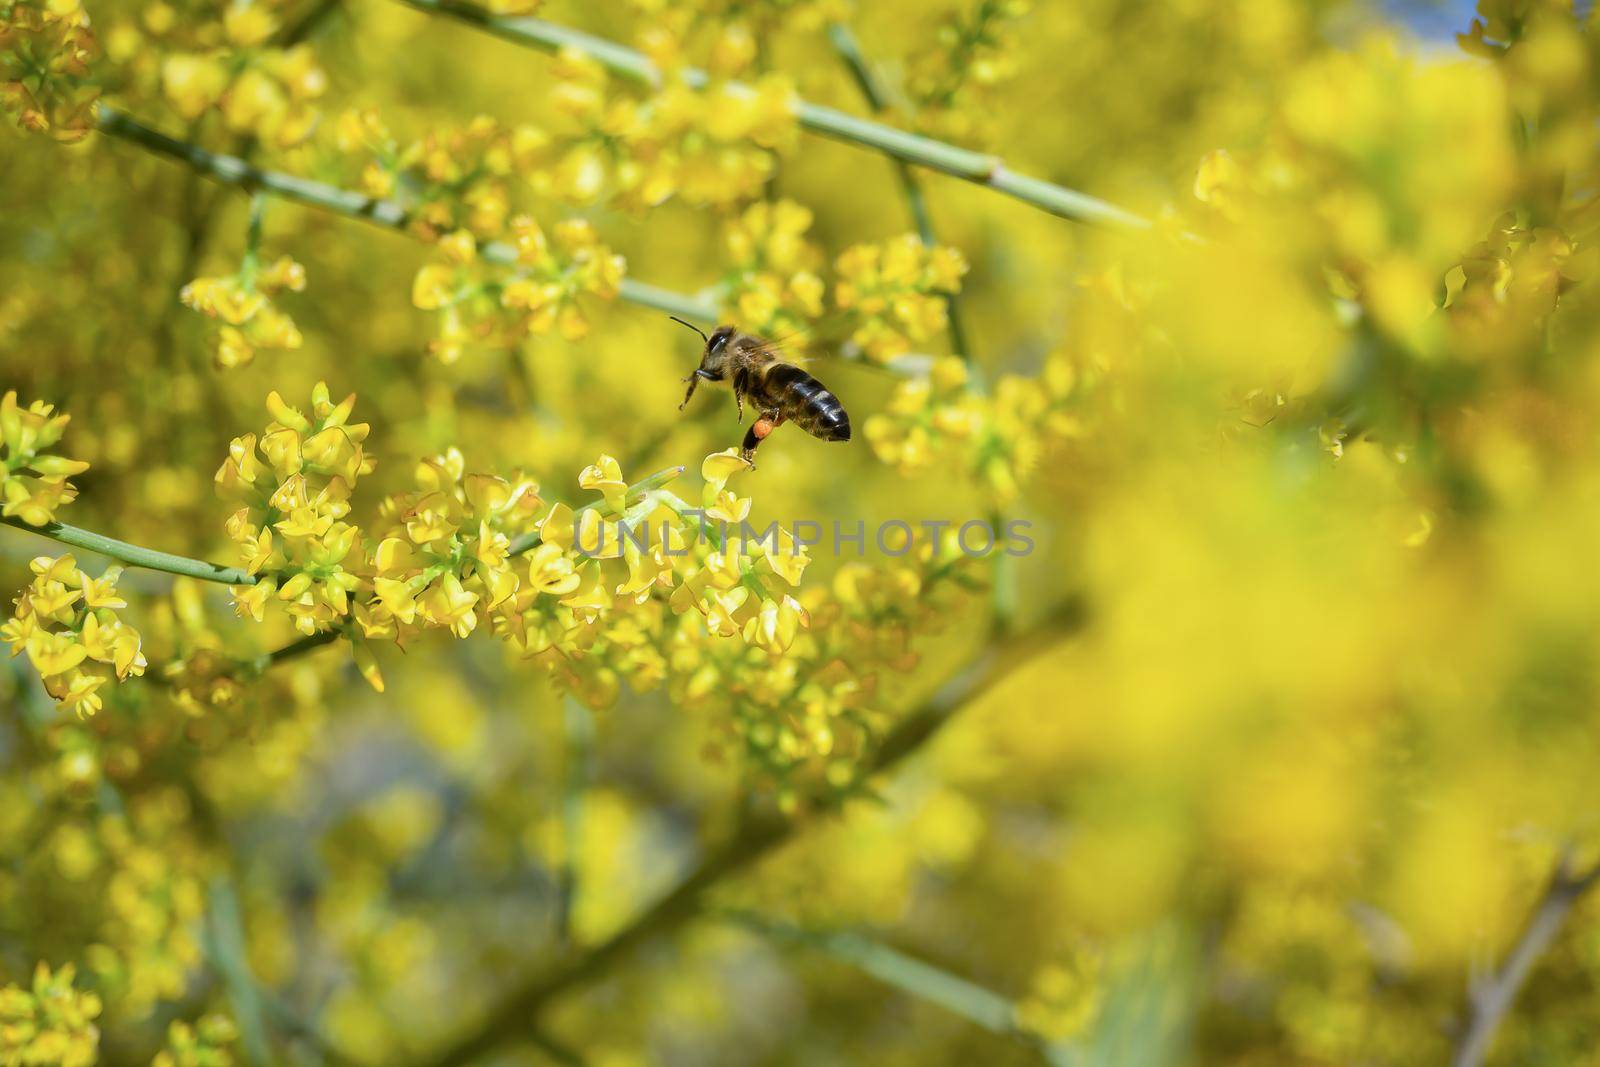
(203,1044)
(482,304)
(895,292)
(710,144)
(243,305)
(1063,998)
(46,50)
(951,84)
(998,436)
(50,1021)
(773,289)
(269,93)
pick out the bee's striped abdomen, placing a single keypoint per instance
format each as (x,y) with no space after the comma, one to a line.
(805,401)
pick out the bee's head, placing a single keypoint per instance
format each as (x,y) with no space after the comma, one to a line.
(716,352)
(717,347)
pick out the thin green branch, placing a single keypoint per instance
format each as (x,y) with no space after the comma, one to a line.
(844,43)
(915,977)
(977,167)
(231,170)
(224,940)
(757,835)
(633,494)
(955,994)
(295,649)
(150,559)
(134,555)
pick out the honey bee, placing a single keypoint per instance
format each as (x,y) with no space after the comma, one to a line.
(778,390)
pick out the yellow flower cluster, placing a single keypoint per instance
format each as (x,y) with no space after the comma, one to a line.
(895,291)
(243,304)
(951,85)
(45,51)
(456,177)
(998,435)
(804,720)
(267,92)
(710,144)
(148,943)
(1064,997)
(49,1022)
(1451,289)
(467,550)
(772,286)
(205,1044)
(1323,965)
(33,483)
(726,32)
(449,560)
(1507,287)
(67,623)
(479,303)
(295,487)
(444,554)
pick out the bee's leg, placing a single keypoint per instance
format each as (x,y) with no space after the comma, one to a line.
(694,380)
(747,450)
(764,425)
(738,399)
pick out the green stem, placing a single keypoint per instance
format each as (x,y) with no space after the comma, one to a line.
(150,559)
(225,944)
(295,649)
(231,170)
(1003,576)
(634,492)
(844,42)
(134,555)
(894,968)
(977,167)
(251,264)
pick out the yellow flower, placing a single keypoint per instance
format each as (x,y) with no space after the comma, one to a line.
(250,601)
(550,570)
(590,593)
(55,653)
(776,625)
(598,538)
(193,83)
(243,303)
(605,476)
(446,603)
(114,642)
(718,467)
(25,434)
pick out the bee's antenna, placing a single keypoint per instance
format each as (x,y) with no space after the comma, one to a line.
(691,326)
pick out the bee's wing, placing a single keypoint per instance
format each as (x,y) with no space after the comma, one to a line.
(801,345)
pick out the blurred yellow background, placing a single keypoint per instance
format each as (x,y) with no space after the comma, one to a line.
(1278,747)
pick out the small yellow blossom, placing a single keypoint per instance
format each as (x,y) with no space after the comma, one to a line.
(33,483)
(67,623)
